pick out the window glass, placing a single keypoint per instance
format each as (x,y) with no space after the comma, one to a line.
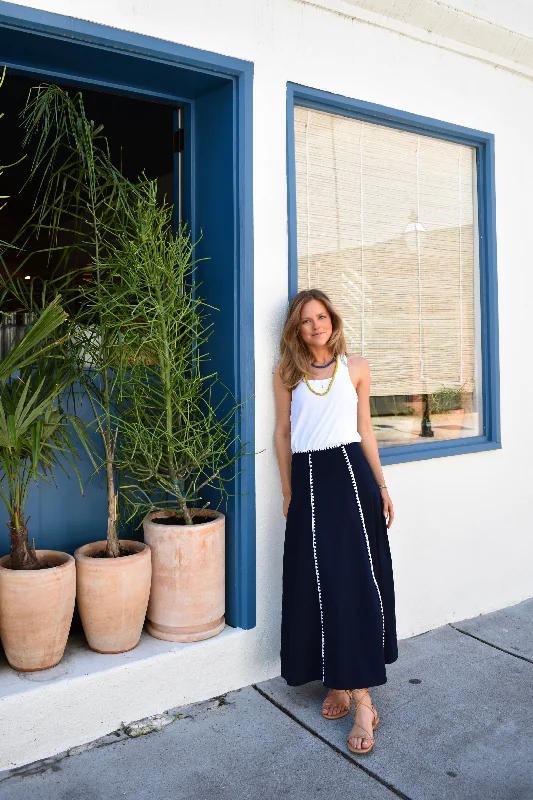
(386,224)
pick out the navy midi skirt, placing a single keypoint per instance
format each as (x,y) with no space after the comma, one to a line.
(338,619)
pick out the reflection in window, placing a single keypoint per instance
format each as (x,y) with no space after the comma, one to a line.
(386,223)
(12,329)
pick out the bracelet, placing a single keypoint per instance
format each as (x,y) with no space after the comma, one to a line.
(382,486)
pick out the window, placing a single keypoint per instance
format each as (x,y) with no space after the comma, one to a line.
(387,223)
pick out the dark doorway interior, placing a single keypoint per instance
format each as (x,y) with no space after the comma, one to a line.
(139,134)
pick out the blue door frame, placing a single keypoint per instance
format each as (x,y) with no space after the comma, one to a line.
(217,173)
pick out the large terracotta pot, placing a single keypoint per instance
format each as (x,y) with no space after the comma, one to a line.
(187,595)
(36,608)
(112,595)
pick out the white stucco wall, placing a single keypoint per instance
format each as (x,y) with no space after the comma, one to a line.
(462,541)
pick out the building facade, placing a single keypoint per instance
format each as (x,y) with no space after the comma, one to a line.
(381,153)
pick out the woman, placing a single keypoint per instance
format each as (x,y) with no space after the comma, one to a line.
(338,619)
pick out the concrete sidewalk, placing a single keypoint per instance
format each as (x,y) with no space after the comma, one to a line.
(457,722)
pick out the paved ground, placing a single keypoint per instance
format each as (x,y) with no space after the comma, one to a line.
(457,722)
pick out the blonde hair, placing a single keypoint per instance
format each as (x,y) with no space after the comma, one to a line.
(296,357)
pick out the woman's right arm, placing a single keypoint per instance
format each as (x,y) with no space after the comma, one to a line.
(283,437)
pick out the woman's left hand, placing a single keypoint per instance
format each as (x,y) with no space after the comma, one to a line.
(388,508)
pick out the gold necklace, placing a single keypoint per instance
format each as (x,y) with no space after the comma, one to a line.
(322,394)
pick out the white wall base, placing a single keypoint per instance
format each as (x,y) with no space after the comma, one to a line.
(89,695)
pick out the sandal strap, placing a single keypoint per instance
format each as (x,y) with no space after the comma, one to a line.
(367,735)
(360,702)
(329,702)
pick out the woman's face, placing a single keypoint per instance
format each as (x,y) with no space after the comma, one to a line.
(315,324)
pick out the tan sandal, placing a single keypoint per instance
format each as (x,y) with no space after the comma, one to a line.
(358,732)
(341,714)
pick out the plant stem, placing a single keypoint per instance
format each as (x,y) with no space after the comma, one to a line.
(112,547)
(23,555)
(165,361)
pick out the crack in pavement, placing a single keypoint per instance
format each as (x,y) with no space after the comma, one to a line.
(53,763)
(333,747)
(490,644)
(122,734)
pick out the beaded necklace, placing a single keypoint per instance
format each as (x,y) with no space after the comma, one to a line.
(322,394)
(323,366)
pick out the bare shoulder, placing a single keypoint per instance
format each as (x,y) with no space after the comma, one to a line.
(278,383)
(358,367)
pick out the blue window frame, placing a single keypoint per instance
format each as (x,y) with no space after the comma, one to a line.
(217,174)
(483,143)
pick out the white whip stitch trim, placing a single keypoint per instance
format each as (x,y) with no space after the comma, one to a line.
(316,561)
(326,447)
(366,537)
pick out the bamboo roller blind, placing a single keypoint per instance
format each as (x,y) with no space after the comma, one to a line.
(385,222)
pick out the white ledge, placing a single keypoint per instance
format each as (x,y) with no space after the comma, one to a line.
(89,695)
(436,23)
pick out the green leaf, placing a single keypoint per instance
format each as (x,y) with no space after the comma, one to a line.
(36,431)
(12,431)
(29,351)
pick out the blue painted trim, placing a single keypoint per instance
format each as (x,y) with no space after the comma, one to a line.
(73,79)
(178,178)
(420,452)
(95,35)
(484,144)
(489,291)
(382,115)
(245,521)
(291,197)
(87,34)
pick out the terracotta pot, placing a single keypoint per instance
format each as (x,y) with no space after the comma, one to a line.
(36,608)
(188,580)
(112,595)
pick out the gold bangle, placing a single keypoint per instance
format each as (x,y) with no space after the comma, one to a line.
(382,485)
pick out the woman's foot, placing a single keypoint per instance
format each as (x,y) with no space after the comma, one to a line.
(337,704)
(366,720)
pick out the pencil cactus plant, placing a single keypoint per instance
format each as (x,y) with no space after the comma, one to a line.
(138,327)
(175,440)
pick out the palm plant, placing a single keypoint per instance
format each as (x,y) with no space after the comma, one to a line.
(175,441)
(35,432)
(79,199)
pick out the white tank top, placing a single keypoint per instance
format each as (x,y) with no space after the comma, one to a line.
(328,421)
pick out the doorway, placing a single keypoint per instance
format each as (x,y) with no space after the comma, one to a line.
(135,86)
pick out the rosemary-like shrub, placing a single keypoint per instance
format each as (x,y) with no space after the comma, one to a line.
(174,440)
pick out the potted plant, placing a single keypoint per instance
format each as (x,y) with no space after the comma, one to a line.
(175,442)
(449,404)
(37,587)
(83,195)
